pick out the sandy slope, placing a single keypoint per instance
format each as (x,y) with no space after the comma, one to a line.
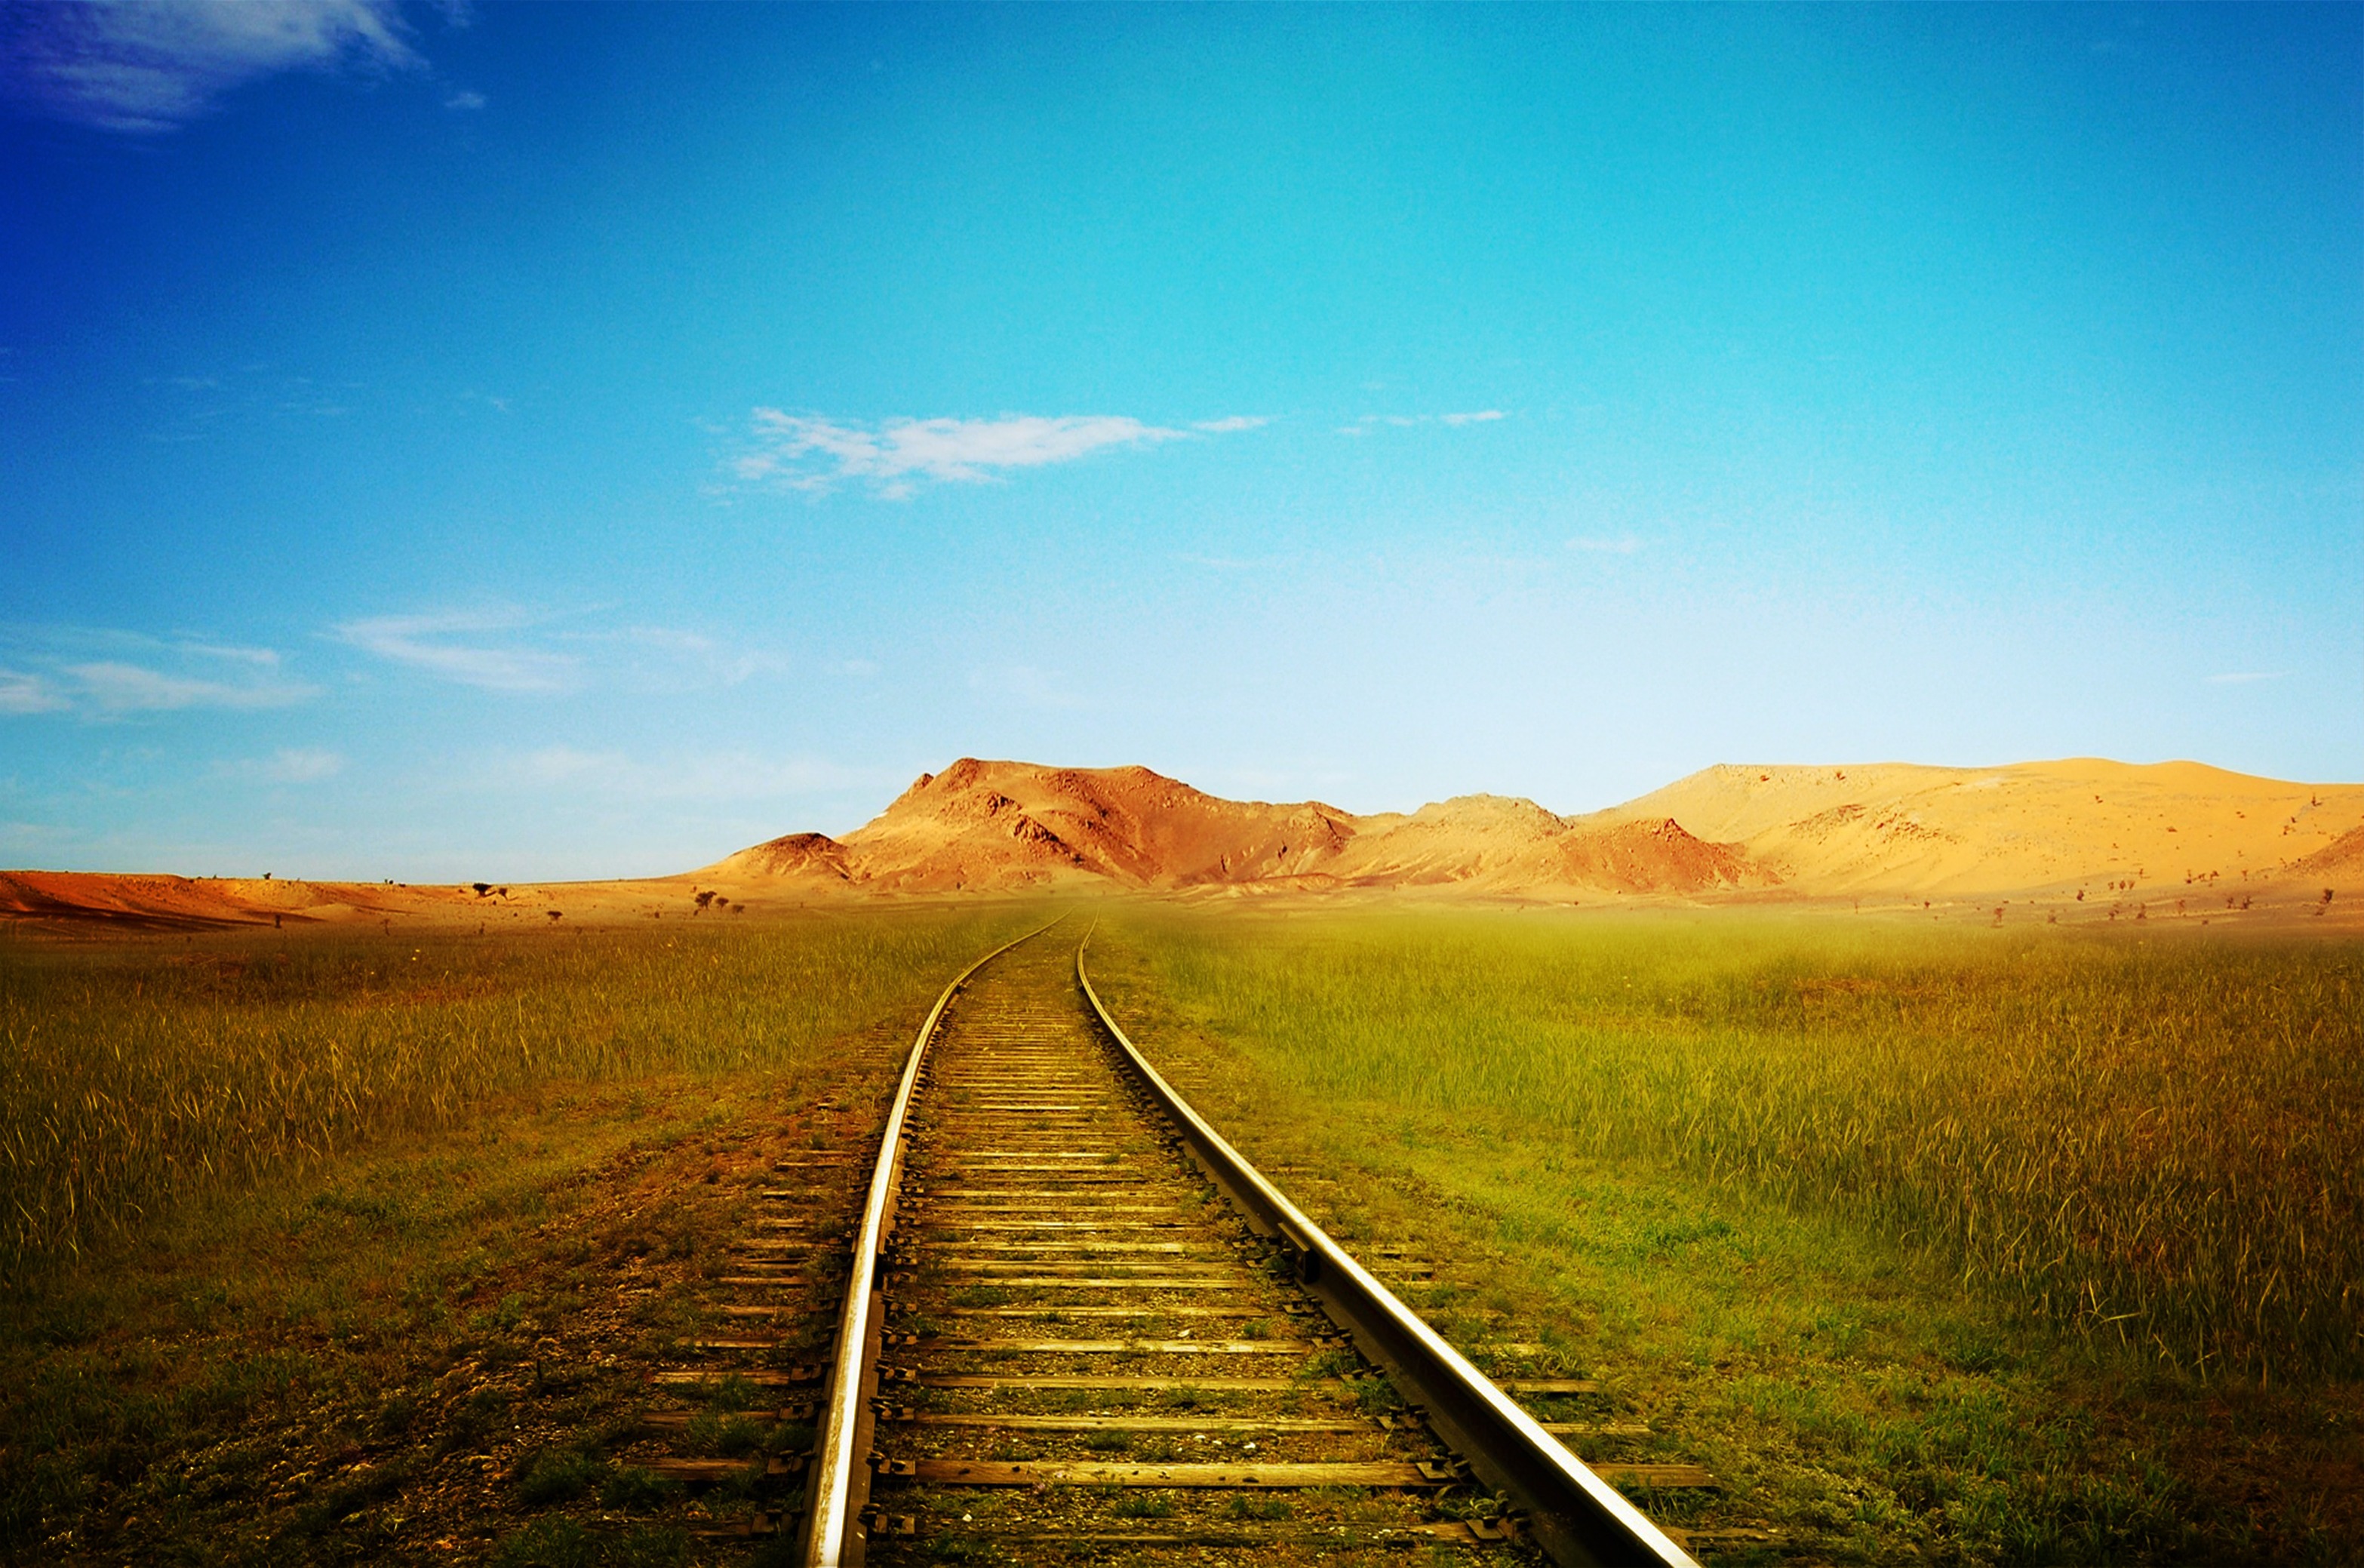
(2082,838)
(59,900)
(2031,828)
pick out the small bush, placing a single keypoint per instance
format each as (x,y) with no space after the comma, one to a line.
(1144,1506)
(1245,1506)
(630,1486)
(549,1543)
(558,1475)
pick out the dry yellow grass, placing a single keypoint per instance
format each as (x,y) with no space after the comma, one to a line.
(136,1073)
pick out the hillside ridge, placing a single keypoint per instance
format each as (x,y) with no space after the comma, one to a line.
(2080,825)
(981,826)
(2078,839)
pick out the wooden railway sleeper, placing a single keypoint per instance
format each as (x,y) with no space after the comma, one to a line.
(1283,1252)
(1581,1519)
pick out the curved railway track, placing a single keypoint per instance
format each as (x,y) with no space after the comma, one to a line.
(1070,1319)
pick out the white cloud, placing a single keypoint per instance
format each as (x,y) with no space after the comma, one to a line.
(1369,422)
(113,686)
(146,66)
(100,671)
(803,453)
(285,766)
(508,649)
(424,643)
(463,100)
(2244,677)
(1236,422)
(260,658)
(24,692)
(668,658)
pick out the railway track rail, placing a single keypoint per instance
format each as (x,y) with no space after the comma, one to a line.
(1071,1317)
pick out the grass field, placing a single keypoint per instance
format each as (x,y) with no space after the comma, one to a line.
(1974,1248)
(135,1073)
(318,1242)
(1990,1247)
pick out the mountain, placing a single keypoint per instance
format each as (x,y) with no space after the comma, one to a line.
(1890,830)
(998,827)
(2079,838)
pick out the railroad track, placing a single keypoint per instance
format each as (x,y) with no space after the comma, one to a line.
(1071,1321)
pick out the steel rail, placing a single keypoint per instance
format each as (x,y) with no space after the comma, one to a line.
(836,1535)
(1578,1518)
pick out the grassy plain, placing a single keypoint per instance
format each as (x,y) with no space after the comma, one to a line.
(320,1243)
(1974,1247)
(1954,1246)
(135,1073)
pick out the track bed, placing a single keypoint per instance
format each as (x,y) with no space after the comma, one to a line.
(1087,1345)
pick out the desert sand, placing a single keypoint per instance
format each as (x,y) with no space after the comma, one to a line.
(2079,840)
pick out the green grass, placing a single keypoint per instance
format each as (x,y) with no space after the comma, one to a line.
(1986,1248)
(323,1264)
(137,1073)
(357,1360)
(2161,1143)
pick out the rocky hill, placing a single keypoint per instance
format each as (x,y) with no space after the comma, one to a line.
(998,827)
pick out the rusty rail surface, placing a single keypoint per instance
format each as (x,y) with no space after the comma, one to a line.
(836,1522)
(1574,1515)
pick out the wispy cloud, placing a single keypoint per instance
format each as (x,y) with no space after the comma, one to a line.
(667,658)
(1369,422)
(507,648)
(254,658)
(464,101)
(808,452)
(285,766)
(1236,422)
(116,687)
(2246,677)
(148,66)
(453,647)
(109,674)
(23,691)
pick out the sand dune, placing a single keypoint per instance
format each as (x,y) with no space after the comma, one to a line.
(2031,828)
(2080,839)
(122,901)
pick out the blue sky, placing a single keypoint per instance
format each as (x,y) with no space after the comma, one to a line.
(442,443)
